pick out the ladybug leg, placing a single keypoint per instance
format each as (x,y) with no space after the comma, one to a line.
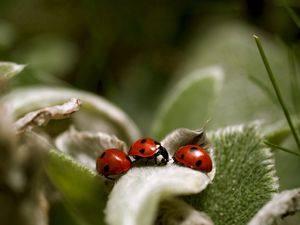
(109,178)
(174,159)
(136,158)
(155,159)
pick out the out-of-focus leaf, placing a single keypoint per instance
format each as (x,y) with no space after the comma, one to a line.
(288,165)
(177,212)
(96,114)
(135,197)
(282,205)
(84,192)
(190,103)
(245,176)
(60,215)
(231,46)
(9,69)
(278,132)
(43,116)
(7,35)
(49,54)
(85,146)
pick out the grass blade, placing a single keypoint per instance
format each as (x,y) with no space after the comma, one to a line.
(281,148)
(277,91)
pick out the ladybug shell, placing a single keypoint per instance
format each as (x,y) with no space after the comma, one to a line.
(112,162)
(144,147)
(195,157)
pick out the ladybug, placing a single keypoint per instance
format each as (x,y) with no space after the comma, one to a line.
(112,162)
(148,148)
(195,157)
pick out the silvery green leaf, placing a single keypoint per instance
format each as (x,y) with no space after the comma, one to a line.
(245,176)
(279,131)
(48,53)
(184,136)
(177,212)
(7,35)
(135,197)
(230,45)
(83,191)
(9,69)
(96,114)
(43,116)
(282,205)
(85,146)
(190,103)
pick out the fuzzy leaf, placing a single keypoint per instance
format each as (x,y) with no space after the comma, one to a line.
(190,103)
(85,146)
(83,190)
(9,70)
(96,114)
(245,177)
(284,204)
(135,197)
(43,116)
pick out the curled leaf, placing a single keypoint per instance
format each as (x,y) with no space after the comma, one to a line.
(135,197)
(85,146)
(183,136)
(284,204)
(43,116)
(96,114)
(9,69)
(177,212)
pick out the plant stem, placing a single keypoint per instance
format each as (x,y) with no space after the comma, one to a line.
(282,148)
(277,91)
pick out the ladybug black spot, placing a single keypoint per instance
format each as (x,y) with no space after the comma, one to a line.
(143,141)
(192,149)
(103,154)
(156,142)
(182,156)
(198,163)
(142,150)
(106,168)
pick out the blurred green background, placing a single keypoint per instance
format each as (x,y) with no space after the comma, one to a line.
(132,52)
(127,51)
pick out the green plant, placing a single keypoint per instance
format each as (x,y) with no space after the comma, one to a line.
(237,191)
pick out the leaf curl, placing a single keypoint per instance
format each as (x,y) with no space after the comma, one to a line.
(135,197)
(96,114)
(43,116)
(9,69)
(85,146)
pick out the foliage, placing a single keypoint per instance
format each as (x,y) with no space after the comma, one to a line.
(194,79)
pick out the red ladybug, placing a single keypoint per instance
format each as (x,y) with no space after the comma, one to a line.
(195,157)
(148,148)
(112,162)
